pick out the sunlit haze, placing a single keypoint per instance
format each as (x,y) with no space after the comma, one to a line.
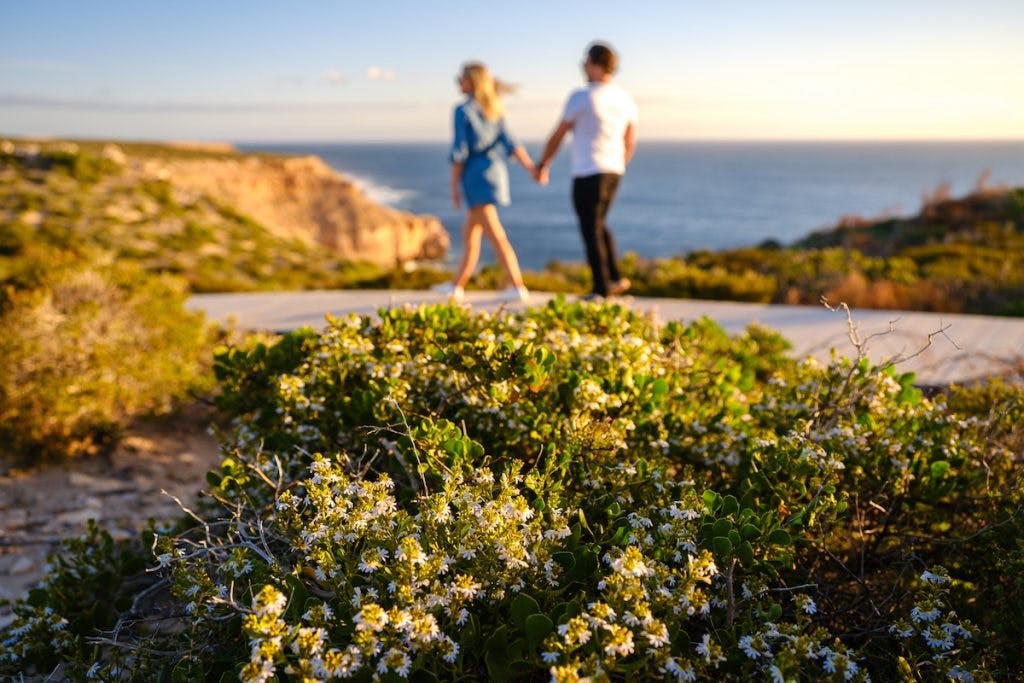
(339,71)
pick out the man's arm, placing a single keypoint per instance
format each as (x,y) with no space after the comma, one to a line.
(629,141)
(550,150)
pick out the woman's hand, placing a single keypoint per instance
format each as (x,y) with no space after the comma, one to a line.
(523,157)
(540,174)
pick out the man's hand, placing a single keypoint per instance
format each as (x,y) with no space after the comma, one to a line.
(541,175)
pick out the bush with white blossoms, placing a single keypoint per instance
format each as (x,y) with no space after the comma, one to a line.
(571,492)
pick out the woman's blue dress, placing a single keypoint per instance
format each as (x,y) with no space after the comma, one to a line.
(481,146)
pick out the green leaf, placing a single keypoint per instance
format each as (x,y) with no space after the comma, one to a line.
(746,553)
(497,644)
(298,598)
(659,387)
(940,468)
(711,500)
(734,537)
(538,627)
(749,532)
(586,565)
(722,527)
(722,545)
(497,667)
(565,559)
(522,607)
(730,505)
(780,537)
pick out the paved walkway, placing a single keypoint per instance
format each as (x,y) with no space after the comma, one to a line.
(940,348)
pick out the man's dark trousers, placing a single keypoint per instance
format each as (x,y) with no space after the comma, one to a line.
(592,196)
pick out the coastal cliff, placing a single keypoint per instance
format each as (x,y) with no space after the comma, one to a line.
(220,219)
(302,197)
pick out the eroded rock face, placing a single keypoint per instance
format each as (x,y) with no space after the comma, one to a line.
(303,198)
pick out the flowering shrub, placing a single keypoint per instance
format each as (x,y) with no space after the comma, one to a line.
(573,492)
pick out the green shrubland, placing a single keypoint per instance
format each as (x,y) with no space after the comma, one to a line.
(68,198)
(90,338)
(87,346)
(958,255)
(569,491)
(96,262)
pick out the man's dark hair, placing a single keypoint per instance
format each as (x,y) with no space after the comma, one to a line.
(603,56)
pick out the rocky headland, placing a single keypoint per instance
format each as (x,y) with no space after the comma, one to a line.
(303,197)
(293,198)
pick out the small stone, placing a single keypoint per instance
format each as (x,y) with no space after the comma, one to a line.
(74,518)
(97,484)
(22,565)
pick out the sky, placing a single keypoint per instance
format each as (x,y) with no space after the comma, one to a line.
(379,70)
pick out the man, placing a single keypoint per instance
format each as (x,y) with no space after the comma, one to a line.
(603,119)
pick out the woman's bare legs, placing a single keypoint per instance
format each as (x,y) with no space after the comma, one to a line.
(488,218)
(482,220)
(471,231)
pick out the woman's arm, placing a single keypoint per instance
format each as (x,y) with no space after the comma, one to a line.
(523,157)
(456,177)
(459,154)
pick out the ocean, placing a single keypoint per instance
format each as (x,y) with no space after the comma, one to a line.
(679,197)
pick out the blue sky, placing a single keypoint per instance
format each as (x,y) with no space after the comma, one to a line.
(384,70)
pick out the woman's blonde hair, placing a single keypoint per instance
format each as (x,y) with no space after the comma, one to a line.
(487,90)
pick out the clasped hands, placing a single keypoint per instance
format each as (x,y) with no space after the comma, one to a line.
(540,175)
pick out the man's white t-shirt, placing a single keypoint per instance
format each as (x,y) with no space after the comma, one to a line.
(599,114)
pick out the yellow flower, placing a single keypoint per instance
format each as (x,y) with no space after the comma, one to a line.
(567,673)
(371,617)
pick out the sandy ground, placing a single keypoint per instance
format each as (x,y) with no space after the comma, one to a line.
(121,491)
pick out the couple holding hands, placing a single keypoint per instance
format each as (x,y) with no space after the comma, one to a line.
(602,118)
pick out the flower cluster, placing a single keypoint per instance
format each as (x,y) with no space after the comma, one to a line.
(932,634)
(33,632)
(410,581)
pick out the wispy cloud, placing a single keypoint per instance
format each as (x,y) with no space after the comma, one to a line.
(335,77)
(378,73)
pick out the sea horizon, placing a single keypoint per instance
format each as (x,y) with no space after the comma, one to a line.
(682,196)
(245,143)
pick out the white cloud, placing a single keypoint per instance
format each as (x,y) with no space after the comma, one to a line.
(377,73)
(335,77)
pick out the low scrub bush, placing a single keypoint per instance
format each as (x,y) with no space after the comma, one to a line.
(85,347)
(563,493)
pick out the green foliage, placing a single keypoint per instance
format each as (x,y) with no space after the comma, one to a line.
(573,491)
(83,569)
(87,346)
(964,255)
(69,197)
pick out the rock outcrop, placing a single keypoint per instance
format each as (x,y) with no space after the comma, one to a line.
(302,197)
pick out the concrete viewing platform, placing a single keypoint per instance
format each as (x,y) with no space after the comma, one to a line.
(941,348)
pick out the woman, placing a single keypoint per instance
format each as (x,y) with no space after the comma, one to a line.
(478,155)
